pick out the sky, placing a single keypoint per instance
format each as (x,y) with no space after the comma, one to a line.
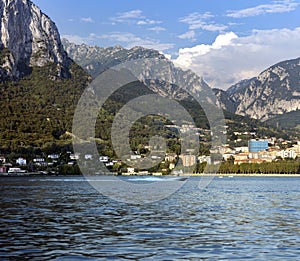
(222,41)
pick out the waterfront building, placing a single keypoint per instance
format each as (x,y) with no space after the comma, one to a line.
(287,154)
(257,145)
(3,169)
(188,160)
(21,161)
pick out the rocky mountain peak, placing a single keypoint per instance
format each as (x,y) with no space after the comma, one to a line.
(28,38)
(96,59)
(273,92)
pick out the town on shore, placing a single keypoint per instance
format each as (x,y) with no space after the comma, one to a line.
(261,156)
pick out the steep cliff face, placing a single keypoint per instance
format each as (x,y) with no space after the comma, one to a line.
(28,38)
(275,91)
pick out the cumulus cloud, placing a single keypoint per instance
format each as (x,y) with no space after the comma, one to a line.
(275,7)
(230,58)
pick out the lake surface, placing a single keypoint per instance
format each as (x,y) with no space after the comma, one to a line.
(65,218)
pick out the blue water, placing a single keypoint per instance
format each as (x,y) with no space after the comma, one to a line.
(64,218)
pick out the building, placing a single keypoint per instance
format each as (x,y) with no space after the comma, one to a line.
(170,157)
(204,158)
(53,156)
(21,161)
(88,156)
(2,160)
(3,169)
(255,157)
(285,154)
(241,149)
(188,160)
(257,145)
(103,158)
(74,156)
(40,162)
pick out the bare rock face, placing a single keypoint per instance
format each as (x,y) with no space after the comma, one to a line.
(95,60)
(28,38)
(273,92)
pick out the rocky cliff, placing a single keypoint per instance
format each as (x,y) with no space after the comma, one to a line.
(28,38)
(273,92)
(95,60)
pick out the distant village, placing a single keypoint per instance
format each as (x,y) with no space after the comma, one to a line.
(258,151)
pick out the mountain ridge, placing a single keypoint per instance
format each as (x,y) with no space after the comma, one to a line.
(273,92)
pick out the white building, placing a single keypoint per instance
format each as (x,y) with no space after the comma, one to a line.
(75,156)
(53,156)
(88,156)
(21,161)
(204,158)
(170,157)
(287,154)
(103,158)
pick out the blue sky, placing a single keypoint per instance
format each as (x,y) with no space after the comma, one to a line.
(223,41)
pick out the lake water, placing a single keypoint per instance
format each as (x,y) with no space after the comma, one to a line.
(65,218)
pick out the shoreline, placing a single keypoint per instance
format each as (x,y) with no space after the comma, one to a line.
(35,174)
(241,175)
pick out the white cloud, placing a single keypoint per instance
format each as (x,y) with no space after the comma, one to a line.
(87,20)
(130,40)
(190,35)
(157,29)
(275,7)
(126,16)
(231,58)
(79,39)
(148,22)
(133,17)
(199,21)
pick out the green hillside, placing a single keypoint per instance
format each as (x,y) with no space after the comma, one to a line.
(39,108)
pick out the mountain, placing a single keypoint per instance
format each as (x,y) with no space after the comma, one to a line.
(275,91)
(39,84)
(289,120)
(224,101)
(95,60)
(28,38)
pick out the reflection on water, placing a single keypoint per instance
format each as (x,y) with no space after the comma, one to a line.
(233,218)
